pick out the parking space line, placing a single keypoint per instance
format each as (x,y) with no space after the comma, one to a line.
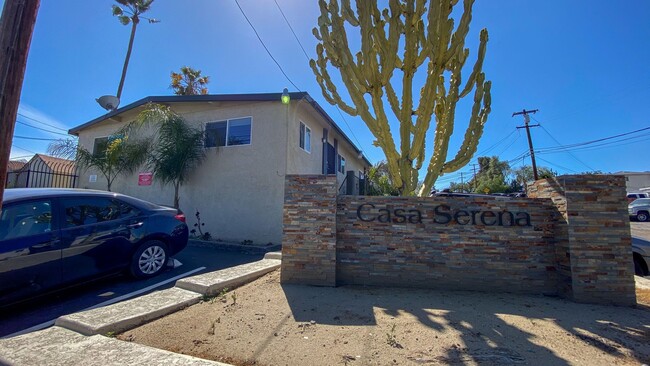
(108,302)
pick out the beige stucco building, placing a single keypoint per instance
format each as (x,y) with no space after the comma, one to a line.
(252,142)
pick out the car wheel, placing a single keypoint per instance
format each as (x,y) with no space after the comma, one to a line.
(149,259)
(642,216)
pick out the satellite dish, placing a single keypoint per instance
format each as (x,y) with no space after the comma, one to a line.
(108,102)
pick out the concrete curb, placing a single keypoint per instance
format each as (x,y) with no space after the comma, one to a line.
(129,314)
(642,282)
(273,255)
(59,346)
(235,247)
(212,283)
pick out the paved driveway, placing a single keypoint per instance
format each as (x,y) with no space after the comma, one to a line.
(42,311)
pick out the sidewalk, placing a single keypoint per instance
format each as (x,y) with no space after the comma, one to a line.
(83,338)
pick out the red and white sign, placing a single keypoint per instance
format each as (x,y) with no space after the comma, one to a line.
(145,179)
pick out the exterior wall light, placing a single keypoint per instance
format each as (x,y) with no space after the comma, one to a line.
(324,140)
(285,96)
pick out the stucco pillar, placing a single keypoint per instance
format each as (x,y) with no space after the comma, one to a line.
(593,244)
(309,230)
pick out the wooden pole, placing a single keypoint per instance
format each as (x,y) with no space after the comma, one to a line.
(16,28)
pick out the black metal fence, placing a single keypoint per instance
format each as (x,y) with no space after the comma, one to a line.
(356,185)
(44,173)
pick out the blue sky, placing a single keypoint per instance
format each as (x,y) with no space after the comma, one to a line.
(583,64)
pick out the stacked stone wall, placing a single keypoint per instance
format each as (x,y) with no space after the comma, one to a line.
(309,237)
(571,237)
(475,252)
(597,242)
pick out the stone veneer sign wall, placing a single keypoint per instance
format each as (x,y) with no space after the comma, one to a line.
(571,239)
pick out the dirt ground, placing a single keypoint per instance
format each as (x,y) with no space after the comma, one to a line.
(265,323)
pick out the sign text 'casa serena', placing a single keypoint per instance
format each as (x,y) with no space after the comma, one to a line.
(442,215)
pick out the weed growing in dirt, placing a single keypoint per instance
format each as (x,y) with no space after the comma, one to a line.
(391,339)
(213,326)
(221,296)
(234,298)
(111,334)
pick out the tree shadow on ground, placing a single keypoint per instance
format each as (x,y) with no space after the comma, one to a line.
(494,329)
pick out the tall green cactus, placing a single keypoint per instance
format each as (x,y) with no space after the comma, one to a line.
(427,34)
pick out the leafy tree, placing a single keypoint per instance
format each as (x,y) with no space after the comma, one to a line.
(491,185)
(189,82)
(177,147)
(401,39)
(131,12)
(524,175)
(460,187)
(120,154)
(380,182)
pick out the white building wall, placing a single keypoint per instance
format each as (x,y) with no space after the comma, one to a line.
(239,190)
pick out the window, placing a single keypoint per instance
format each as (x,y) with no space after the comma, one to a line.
(305,137)
(100,146)
(228,133)
(91,210)
(341,164)
(25,219)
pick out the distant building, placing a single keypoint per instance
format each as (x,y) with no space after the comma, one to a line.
(44,171)
(13,169)
(636,181)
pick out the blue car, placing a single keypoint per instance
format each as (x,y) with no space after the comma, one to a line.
(51,238)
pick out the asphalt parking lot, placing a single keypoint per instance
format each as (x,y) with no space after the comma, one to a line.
(41,312)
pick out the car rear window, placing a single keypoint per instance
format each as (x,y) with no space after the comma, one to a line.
(81,211)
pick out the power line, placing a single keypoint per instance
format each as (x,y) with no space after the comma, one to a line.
(42,129)
(22,148)
(559,166)
(41,122)
(603,145)
(290,27)
(496,144)
(264,45)
(308,58)
(594,141)
(567,151)
(34,138)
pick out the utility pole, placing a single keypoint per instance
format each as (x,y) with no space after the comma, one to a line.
(474,177)
(16,28)
(462,183)
(527,126)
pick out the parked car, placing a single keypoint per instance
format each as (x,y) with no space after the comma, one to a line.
(50,238)
(632,196)
(641,254)
(639,209)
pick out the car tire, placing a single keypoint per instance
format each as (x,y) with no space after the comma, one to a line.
(149,259)
(642,216)
(638,268)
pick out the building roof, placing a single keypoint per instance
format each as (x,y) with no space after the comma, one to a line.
(15,165)
(632,173)
(56,164)
(260,97)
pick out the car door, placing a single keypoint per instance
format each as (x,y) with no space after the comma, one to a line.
(30,249)
(96,236)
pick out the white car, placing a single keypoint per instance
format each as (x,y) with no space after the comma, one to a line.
(639,209)
(641,254)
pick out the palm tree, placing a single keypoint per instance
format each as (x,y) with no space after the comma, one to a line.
(178,147)
(130,14)
(189,82)
(118,155)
